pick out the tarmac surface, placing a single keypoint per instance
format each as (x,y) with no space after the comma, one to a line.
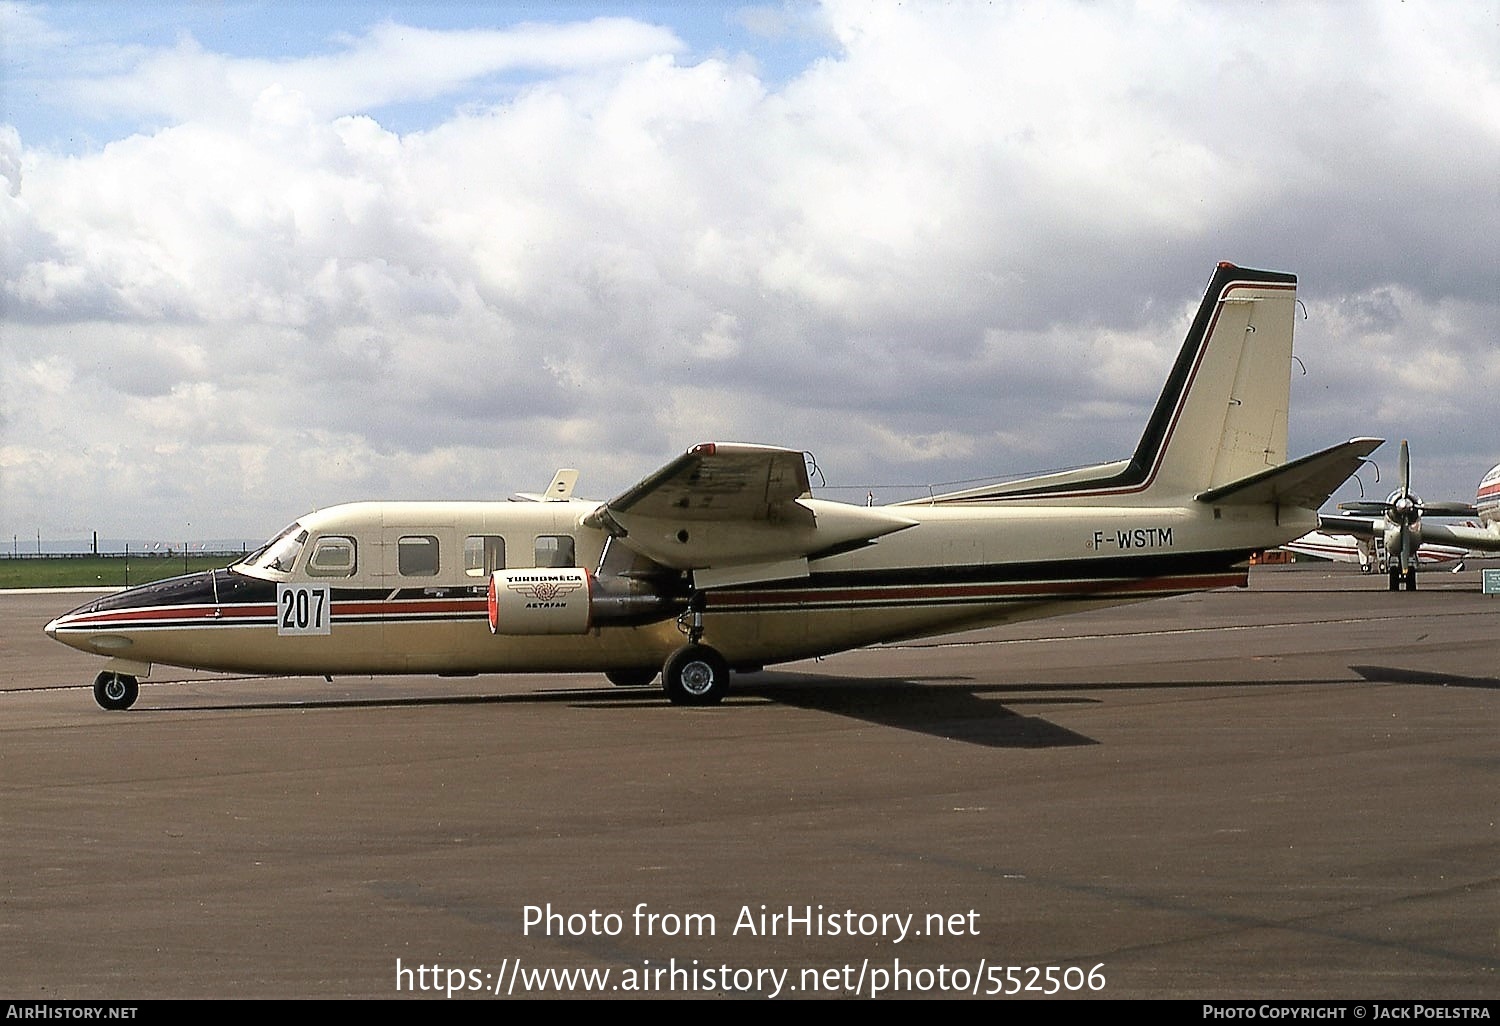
(1286,791)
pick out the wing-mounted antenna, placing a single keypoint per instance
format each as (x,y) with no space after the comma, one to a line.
(1359,481)
(813,468)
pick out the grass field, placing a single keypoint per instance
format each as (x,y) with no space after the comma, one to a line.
(101,571)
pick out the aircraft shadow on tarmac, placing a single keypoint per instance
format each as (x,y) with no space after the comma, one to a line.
(953,708)
(944,707)
(1399,675)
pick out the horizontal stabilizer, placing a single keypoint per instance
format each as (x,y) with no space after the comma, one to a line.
(1306,483)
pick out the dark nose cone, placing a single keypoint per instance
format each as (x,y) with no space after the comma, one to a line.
(132,607)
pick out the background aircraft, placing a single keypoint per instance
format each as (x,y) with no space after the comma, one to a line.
(1370,553)
(1396,536)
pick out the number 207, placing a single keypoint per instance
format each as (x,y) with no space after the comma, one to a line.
(302,609)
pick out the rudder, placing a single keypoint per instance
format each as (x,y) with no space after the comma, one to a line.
(1223,414)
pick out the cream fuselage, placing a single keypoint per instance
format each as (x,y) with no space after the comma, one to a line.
(958,567)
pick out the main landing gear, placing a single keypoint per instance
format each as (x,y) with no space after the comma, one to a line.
(695,674)
(116,690)
(1397,577)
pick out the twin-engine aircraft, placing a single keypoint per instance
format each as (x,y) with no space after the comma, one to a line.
(1393,536)
(724,561)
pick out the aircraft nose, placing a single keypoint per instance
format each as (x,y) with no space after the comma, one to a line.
(112,624)
(71,630)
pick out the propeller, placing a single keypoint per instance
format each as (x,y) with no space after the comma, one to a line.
(1403,513)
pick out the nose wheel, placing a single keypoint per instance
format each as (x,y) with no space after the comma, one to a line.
(116,690)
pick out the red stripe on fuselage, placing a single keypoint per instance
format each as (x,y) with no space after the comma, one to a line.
(262,612)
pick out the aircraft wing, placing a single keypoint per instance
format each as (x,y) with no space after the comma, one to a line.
(1305,482)
(719,481)
(1359,527)
(733,513)
(1476,539)
(1344,547)
(1339,547)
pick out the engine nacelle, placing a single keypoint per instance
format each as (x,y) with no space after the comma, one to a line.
(572,600)
(541,600)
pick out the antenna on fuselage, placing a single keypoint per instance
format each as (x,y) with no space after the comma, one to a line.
(560,490)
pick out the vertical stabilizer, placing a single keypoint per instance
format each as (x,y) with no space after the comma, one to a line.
(1222,416)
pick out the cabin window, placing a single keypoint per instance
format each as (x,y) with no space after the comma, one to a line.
(417,555)
(555,550)
(332,556)
(483,554)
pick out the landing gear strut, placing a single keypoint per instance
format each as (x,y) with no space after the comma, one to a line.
(695,674)
(116,690)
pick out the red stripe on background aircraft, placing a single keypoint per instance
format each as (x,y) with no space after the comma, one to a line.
(724,561)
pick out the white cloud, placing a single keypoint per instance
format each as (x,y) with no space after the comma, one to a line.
(389,63)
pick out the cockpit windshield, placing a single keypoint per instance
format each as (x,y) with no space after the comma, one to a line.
(279,554)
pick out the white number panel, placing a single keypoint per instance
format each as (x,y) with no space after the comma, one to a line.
(303,609)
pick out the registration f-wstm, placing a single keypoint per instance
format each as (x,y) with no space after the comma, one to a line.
(722,560)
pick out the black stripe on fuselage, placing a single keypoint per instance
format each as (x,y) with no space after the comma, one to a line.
(230,589)
(1121,568)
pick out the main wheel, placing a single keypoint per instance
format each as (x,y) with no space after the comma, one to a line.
(116,690)
(696,675)
(632,678)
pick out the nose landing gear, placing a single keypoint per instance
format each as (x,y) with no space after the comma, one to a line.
(116,690)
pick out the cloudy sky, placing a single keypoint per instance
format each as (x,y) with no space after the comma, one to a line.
(257,258)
